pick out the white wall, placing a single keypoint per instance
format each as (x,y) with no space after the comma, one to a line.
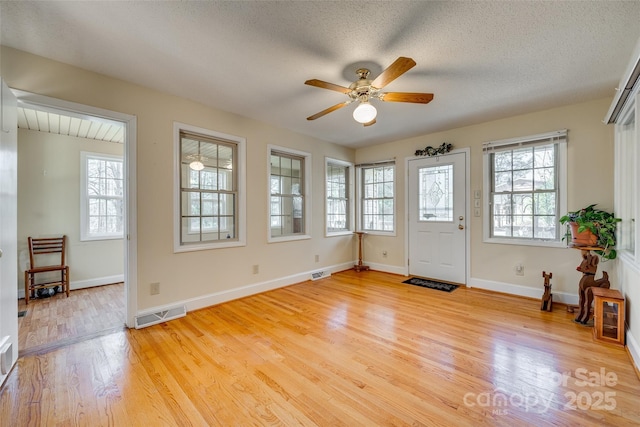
(590,180)
(198,275)
(49,205)
(193,275)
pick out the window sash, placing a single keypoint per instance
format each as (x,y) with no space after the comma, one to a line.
(377,201)
(287,186)
(530,202)
(102,209)
(208,197)
(337,198)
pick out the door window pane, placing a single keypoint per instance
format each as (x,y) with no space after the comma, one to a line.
(435,193)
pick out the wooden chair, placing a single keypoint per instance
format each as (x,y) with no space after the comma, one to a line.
(39,248)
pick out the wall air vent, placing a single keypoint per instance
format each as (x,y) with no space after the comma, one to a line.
(149,319)
(320,274)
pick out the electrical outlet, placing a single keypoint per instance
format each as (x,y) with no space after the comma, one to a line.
(154,288)
(256,269)
(519,270)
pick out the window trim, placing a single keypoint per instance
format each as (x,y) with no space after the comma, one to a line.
(85,236)
(561,170)
(349,195)
(306,215)
(241,217)
(360,196)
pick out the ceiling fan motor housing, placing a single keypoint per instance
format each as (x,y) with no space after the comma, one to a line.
(361,89)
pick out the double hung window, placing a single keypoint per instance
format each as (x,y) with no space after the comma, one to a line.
(526,183)
(102,204)
(338,197)
(377,201)
(288,203)
(210,205)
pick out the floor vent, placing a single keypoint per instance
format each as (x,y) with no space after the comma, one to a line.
(320,274)
(145,320)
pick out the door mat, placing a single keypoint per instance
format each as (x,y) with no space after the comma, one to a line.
(431,284)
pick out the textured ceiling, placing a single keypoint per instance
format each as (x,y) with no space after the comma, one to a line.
(482,60)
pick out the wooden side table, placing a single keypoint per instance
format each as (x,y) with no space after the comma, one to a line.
(608,316)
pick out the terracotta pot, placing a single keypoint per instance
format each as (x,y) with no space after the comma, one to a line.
(584,238)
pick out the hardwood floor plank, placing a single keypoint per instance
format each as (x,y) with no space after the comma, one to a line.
(350,349)
(58,318)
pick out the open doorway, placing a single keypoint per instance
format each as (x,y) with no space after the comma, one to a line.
(74,169)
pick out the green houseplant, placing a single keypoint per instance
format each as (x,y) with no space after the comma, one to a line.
(600,223)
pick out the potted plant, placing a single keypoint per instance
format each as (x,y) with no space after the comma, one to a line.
(592,227)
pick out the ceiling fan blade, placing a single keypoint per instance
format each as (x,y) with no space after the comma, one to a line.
(328,110)
(417,98)
(326,85)
(372,122)
(395,70)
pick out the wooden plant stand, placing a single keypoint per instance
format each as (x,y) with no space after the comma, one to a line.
(360,266)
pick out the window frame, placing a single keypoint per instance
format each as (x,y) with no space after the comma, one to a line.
(361,196)
(305,193)
(626,179)
(85,235)
(348,197)
(240,175)
(557,137)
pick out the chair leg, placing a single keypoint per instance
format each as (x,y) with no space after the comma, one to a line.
(66,280)
(26,288)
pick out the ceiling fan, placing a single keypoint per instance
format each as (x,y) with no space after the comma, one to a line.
(363,90)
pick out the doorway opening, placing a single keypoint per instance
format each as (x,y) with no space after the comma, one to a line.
(76,176)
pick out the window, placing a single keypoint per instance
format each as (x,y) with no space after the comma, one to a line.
(102,197)
(377,210)
(339,199)
(288,206)
(435,193)
(525,189)
(210,196)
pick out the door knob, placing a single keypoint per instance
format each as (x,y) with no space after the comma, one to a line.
(460,227)
(460,217)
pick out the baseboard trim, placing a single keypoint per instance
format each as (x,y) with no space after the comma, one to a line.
(245,291)
(633,349)
(523,291)
(385,268)
(89,283)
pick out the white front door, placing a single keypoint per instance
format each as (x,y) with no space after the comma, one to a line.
(437,217)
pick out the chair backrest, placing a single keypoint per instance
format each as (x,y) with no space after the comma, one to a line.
(47,245)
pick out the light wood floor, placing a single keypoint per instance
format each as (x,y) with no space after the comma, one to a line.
(354,349)
(52,322)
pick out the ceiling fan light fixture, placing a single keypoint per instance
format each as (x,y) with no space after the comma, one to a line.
(365,112)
